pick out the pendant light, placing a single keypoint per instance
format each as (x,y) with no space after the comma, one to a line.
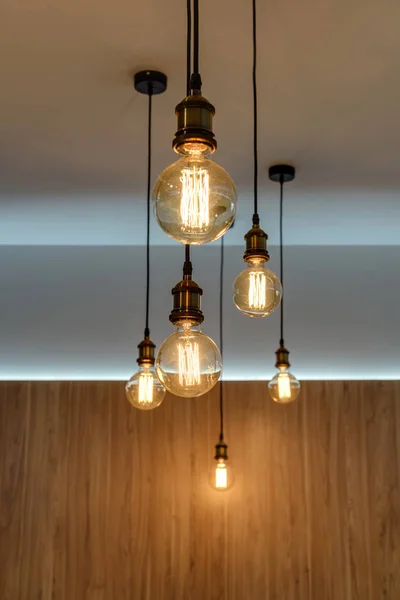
(194,198)
(284,387)
(188,362)
(221,475)
(144,390)
(256,290)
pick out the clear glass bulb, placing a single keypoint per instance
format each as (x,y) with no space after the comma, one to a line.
(188,362)
(144,389)
(284,387)
(221,475)
(257,291)
(194,199)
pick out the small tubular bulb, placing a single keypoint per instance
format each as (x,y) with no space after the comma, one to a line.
(221,476)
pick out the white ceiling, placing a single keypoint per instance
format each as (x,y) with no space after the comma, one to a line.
(72,173)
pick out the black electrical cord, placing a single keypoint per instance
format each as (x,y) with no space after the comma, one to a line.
(187,266)
(147,331)
(221,341)
(188,46)
(195,79)
(281,181)
(196,36)
(256,218)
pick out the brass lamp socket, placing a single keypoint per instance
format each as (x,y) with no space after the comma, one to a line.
(256,245)
(187,302)
(195,116)
(221,451)
(146,352)
(282,357)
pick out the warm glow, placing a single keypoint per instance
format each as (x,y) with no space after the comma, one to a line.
(221,476)
(257,290)
(284,386)
(195,198)
(189,364)
(145,388)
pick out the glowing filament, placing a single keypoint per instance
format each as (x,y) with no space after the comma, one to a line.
(221,476)
(195,198)
(257,290)
(189,364)
(284,386)
(145,388)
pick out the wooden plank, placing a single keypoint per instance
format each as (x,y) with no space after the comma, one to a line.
(99,501)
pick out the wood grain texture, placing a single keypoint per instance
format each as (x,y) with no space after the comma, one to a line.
(102,502)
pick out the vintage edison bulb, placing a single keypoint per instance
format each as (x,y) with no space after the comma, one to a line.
(221,475)
(144,389)
(188,362)
(194,198)
(257,291)
(284,387)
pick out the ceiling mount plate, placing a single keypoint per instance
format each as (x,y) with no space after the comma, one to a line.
(150,82)
(285,172)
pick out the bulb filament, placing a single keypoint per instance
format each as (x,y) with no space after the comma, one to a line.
(145,388)
(257,290)
(284,386)
(195,198)
(189,364)
(221,476)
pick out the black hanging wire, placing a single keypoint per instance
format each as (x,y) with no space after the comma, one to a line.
(188,46)
(256,218)
(195,79)
(281,181)
(221,341)
(196,36)
(188,74)
(147,331)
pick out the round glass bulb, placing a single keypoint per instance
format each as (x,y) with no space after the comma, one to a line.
(257,291)
(194,200)
(221,475)
(188,362)
(284,387)
(144,390)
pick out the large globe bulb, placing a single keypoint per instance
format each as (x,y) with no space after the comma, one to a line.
(257,291)
(284,387)
(194,200)
(144,390)
(188,362)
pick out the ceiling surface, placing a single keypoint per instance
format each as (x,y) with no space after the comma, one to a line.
(73,176)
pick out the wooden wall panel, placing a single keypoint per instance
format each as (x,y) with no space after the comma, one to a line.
(102,502)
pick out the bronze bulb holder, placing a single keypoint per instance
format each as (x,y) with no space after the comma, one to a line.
(282,357)
(221,451)
(195,116)
(146,352)
(187,299)
(256,245)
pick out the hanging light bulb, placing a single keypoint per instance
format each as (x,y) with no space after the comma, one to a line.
(144,390)
(221,475)
(194,198)
(188,362)
(284,387)
(256,290)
